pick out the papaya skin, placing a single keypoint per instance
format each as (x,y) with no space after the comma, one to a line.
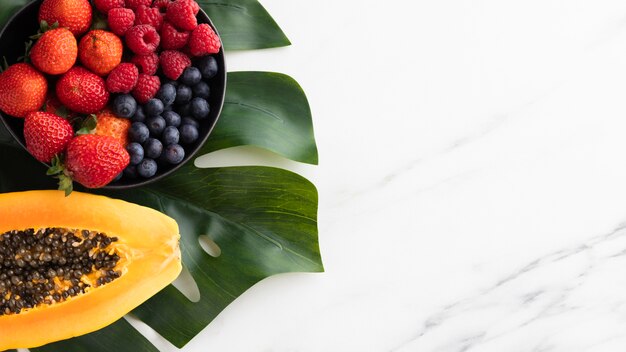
(150,260)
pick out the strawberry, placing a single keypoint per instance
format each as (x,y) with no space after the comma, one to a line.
(204,41)
(100,51)
(74,15)
(46,135)
(108,124)
(23,89)
(55,52)
(94,161)
(82,91)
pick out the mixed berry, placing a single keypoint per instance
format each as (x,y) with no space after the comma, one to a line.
(123,102)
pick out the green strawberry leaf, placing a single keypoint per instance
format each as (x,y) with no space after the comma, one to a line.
(244,24)
(277,117)
(88,125)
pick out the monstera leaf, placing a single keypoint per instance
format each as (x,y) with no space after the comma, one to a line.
(261,221)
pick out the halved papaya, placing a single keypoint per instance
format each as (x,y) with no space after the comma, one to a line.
(70,266)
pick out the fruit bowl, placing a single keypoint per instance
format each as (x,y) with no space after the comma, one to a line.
(24,24)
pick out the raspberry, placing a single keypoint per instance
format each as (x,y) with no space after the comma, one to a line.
(148,64)
(121,20)
(162,5)
(150,16)
(105,6)
(142,39)
(134,4)
(174,63)
(172,39)
(147,87)
(194,6)
(204,41)
(123,78)
(182,14)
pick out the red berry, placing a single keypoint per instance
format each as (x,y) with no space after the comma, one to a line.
(105,6)
(174,63)
(82,91)
(204,41)
(143,39)
(74,15)
(148,64)
(100,51)
(172,39)
(194,6)
(182,14)
(46,135)
(162,5)
(150,16)
(147,87)
(23,89)
(134,4)
(121,20)
(123,78)
(94,161)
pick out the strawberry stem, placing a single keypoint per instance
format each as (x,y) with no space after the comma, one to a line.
(58,170)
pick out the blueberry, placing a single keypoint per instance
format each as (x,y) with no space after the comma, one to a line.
(130,171)
(189,134)
(147,168)
(201,90)
(135,150)
(138,132)
(125,106)
(154,108)
(156,125)
(183,95)
(167,94)
(153,148)
(172,118)
(190,121)
(118,177)
(199,108)
(174,154)
(170,135)
(208,67)
(139,116)
(191,76)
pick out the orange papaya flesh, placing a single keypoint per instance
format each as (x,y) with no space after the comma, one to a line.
(70,266)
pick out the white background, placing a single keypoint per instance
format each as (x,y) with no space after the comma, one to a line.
(472,179)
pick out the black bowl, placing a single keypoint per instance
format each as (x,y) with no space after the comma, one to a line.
(24,24)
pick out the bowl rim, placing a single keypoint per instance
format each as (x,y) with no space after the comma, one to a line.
(217,110)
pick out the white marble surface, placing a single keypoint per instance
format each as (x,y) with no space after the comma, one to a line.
(472,179)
